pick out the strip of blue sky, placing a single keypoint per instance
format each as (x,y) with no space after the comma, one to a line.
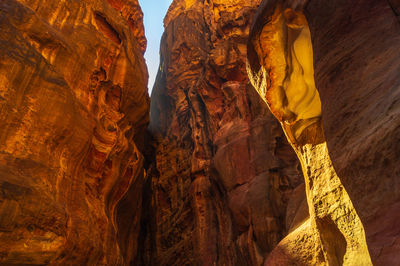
(154,13)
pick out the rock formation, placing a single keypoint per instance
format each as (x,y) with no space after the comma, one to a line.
(225,183)
(330,75)
(86,178)
(74,107)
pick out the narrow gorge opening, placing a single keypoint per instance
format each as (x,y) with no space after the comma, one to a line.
(154,12)
(205,172)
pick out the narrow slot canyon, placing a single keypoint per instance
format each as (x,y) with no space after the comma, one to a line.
(256,132)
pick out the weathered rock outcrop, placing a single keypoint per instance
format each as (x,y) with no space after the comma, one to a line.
(217,182)
(330,74)
(224,176)
(74,107)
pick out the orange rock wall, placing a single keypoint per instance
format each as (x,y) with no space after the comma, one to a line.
(74,107)
(223,177)
(347,142)
(213,180)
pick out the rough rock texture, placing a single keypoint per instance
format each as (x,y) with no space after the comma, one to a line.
(73,103)
(221,184)
(344,125)
(223,176)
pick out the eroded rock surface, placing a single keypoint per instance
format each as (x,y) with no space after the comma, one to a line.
(74,107)
(223,173)
(330,75)
(221,183)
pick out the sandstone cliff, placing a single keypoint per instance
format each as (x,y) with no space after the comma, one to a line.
(330,74)
(224,177)
(74,107)
(213,179)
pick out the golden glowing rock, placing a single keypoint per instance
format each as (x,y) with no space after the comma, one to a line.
(356,71)
(219,184)
(289,90)
(285,81)
(73,98)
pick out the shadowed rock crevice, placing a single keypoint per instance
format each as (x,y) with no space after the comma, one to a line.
(105,27)
(395,5)
(333,241)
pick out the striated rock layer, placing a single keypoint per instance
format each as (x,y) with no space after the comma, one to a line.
(225,184)
(329,72)
(74,106)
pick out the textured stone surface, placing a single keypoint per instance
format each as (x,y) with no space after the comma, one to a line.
(219,182)
(223,173)
(73,102)
(348,160)
(359,84)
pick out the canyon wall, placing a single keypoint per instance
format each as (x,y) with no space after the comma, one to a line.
(224,182)
(213,179)
(329,72)
(74,109)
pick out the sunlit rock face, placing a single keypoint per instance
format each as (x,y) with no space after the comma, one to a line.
(329,72)
(226,186)
(74,107)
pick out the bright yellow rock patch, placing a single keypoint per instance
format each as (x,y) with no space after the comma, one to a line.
(286,83)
